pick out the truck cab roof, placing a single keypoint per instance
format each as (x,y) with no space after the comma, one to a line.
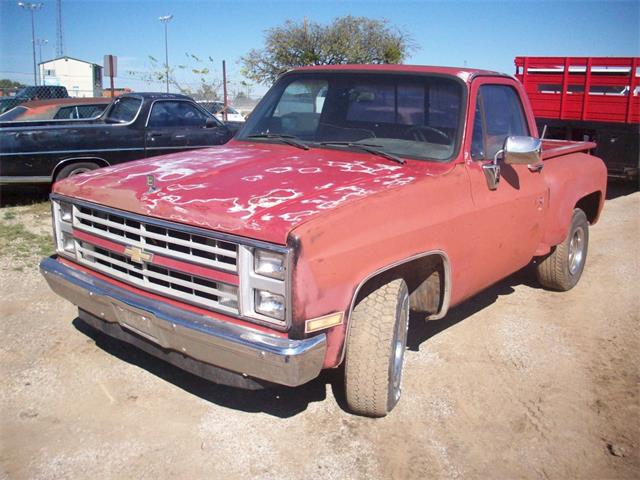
(464,73)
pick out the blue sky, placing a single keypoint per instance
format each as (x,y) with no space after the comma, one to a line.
(484,34)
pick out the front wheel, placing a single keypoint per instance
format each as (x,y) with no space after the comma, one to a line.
(376,349)
(75,169)
(562,269)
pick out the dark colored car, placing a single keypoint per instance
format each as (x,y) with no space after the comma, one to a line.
(40,92)
(134,126)
(54,109)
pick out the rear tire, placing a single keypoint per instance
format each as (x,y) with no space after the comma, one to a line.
(375,350)
(75,169)
(562,269)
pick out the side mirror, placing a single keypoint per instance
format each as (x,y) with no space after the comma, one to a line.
(517,150)
(210,123)
(522,150)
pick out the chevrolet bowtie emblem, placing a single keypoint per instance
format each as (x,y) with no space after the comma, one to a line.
(138,255)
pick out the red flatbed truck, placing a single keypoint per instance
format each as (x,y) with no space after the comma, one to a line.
(609,114)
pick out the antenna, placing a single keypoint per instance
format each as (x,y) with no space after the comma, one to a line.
(59,38)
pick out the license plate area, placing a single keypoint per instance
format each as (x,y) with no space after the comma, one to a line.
(137,322)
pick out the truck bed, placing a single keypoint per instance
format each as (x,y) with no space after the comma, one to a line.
(555,148)
(556,87)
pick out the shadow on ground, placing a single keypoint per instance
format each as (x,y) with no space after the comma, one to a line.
(619,188)
(285,402)
(18,195)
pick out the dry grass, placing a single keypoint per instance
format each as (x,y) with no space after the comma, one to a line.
(25,235)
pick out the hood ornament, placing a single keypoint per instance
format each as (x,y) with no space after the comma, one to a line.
(151,184)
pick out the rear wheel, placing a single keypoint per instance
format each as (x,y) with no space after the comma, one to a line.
(75,169)
(562,269)
(376,349)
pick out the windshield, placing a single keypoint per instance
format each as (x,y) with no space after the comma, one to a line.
(414,116)
(24,92)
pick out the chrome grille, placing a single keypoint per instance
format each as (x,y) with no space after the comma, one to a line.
(166,241)
(155,278)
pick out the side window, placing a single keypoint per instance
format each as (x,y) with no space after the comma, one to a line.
(125,109)
(176,114)
(300,97)
(477,141)
(64,113)
(503,114)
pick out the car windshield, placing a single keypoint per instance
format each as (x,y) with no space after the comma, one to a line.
(24,92)
(414,116)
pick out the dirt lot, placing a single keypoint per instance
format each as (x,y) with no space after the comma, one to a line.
(516,383)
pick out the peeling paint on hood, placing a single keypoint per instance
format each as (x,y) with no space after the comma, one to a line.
(260,191)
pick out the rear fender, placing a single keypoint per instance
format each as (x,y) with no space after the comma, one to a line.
(571,178)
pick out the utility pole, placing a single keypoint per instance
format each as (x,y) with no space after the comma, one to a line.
(32,7)
(40,42)
(59,39)
(224,90)
(166,19)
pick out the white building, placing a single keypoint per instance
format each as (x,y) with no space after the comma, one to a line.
(82,79)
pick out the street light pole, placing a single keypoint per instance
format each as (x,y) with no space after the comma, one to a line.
(166,19)
(32,7)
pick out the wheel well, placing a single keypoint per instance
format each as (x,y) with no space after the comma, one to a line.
(427,277)
(590,205)
(101,162)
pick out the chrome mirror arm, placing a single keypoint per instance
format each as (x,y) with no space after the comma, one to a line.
(492,171)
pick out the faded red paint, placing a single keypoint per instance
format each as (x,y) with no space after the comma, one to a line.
(352,214)
(253,190)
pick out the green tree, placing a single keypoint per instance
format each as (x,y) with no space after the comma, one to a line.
(6,83)
(345,40)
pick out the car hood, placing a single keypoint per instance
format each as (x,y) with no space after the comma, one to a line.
(260,191)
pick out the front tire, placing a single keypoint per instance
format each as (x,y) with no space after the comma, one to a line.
(376,349)
(75,169)
(562,269)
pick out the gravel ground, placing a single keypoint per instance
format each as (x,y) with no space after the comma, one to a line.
(515,383)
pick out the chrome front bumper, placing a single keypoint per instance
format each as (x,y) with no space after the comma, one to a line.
(228,346)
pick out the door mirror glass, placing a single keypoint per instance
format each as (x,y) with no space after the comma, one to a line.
(210,123)
(521,150)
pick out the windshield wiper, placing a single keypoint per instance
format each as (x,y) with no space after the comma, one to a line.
(288,139)
(370,148)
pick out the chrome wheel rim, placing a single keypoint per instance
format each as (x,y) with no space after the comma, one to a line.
(576,250)
(399,349)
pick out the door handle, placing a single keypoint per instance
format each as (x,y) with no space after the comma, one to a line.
(155,134)
(535,167)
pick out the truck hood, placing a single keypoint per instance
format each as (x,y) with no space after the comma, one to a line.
(259,191)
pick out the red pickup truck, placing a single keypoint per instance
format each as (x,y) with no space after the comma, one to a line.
(352,196)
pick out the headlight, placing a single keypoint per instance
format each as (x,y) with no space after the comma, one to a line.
(263,289)
(62,228)
(65,211)
(67,243)
(269,304)
(269,264)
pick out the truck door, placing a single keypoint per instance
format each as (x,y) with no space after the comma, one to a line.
(175,125)
(510,219)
